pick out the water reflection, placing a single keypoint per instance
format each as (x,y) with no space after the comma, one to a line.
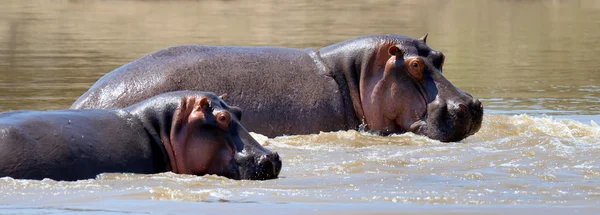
(530,55)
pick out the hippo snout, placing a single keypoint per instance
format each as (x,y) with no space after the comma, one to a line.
(472,113)
(269,166)
(262,167)
(450,120)
(476,111)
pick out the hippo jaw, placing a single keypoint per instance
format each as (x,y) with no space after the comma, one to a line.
(251,165)
(242,157)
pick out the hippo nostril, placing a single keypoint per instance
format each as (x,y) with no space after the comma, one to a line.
(263,159)
(463,108)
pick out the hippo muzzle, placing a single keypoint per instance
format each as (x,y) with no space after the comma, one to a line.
(453,115)
(253,161)
(450,120)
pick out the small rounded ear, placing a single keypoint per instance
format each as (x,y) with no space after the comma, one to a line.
(424,38)
(203,104)
(185,108)
(396,51)
(190,109)
(223,96)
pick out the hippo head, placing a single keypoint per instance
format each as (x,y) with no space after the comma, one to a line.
(406,91)
(207,138)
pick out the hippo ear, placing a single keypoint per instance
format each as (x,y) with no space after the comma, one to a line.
(223,96)
(204,104)
(190,109)
(396,51)
(201,104)
(424,38)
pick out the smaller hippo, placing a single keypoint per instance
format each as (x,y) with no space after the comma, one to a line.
(185,132)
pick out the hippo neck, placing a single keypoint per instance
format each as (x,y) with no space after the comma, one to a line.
(157,123)
(347,61)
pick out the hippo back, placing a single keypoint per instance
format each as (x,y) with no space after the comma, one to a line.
(275,87)
(74,144)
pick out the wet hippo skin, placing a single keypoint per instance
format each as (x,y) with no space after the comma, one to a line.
(389,84)
(186,132)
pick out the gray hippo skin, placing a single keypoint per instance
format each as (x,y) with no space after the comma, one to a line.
(386,83)
(183,132)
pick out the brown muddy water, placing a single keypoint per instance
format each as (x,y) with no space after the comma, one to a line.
(534,64)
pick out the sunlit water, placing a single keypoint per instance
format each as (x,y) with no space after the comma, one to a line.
(534,64)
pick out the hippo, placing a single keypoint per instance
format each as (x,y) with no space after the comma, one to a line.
(184,132)
(384,84)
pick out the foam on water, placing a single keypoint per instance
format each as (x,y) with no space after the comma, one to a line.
(513,160)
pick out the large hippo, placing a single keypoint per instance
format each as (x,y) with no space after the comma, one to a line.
(386,83)
(184,132)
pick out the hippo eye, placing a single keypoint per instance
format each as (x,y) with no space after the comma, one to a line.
(223,119)
(416,68)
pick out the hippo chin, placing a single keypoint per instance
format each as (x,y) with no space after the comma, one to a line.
(185,132)
(390,84)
